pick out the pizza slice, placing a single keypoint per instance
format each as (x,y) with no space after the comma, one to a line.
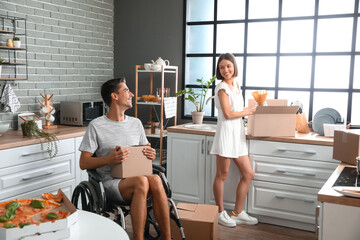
(53,216)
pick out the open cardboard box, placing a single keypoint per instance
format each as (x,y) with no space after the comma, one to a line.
(346,145)
(200,221)
(275,120)
(58,229)
(136,164)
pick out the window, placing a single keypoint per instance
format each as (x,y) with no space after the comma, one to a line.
(300,50)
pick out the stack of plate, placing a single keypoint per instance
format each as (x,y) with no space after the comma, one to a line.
(325,115)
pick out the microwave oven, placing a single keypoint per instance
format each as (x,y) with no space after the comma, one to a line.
(80,113)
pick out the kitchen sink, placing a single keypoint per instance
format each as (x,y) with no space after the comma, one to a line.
(202,127)
(348,177)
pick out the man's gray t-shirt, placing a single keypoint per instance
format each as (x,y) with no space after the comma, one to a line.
(104,134)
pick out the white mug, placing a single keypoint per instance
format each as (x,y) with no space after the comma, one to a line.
(44,110)
(50,117)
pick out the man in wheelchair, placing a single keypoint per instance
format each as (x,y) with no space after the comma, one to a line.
(104,138)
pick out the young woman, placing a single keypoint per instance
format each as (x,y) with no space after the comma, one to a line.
(230,141)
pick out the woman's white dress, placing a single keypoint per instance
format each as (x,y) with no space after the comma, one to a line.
(230,139)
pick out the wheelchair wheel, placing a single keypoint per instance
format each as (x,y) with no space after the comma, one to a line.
(85,198)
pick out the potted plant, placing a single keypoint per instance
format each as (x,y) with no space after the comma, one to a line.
(30,128)
(16,42)
(197,97)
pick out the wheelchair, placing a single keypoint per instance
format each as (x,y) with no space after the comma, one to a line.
(90,196)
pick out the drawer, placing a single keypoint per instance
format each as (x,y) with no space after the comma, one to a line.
(283,201)
(67,187)
(31,153)
(292,150)
(292,171)
(27,177)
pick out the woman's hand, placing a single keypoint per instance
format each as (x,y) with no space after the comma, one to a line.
(150,153)
(118,155)
(249,111)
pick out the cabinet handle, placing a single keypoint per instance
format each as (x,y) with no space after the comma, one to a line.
(38,175)
(29,154)
(208,147)
(317,226)
(281,196)
(296,172)
(297,151)
(202,146)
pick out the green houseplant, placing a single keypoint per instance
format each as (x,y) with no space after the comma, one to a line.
(17,42)
(30,128)
(197,97)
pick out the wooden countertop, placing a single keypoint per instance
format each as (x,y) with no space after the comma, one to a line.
(305,138)
(329,195)
(11,139)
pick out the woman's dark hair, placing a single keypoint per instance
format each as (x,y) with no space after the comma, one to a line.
(110,87)
(231,58)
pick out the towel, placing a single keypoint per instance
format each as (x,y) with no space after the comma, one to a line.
(9,100)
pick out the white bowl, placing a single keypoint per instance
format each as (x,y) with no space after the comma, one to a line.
(4,126)
(330,128)
(147,66)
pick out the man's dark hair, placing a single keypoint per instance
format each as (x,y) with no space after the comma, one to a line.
(109,87)
(231,58)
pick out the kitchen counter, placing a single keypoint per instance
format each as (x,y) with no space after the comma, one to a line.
(305,138)
(329,195)
(11,139)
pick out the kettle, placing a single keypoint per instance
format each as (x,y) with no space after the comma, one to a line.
(161,62)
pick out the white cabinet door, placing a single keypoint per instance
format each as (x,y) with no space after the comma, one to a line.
(230,184)
(186,166)
(81,175)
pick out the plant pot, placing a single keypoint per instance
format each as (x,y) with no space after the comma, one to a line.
(17,44)
(197,117)
(26,131)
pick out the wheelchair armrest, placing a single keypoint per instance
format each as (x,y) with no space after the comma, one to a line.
(94,175)
(158,169)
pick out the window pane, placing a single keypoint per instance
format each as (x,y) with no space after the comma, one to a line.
(297,36)
(358,36)
(292,96)
(198,67)
(334,35)
(357,73)
(336,6)
(233,44)
(338,101)
(189,106)
(332,71)
(198,10)
(260,71)
(296,8)
(263,9)
(355,112)
(231,9)
(262,37)
(200,39)
(295,72)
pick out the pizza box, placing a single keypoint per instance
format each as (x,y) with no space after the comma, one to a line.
(136,164)
(58,229)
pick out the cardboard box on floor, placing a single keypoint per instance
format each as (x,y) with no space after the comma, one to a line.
(58,229)
(200,221)
(136,164)
(346,145)
(275,120)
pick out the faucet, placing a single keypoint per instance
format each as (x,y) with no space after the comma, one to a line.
(209,99)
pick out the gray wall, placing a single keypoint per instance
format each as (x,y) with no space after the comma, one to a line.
(145,30)
(70,49)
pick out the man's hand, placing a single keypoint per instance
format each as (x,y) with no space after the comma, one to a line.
(150,153)
(118,155)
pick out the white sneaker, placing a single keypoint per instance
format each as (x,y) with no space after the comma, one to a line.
(244,218)
(225,220)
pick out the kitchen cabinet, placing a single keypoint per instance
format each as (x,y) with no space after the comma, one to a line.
(288,177)
(165,70)
(14,26)
(28,171)
(191,170)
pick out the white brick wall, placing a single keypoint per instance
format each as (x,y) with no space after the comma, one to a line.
(70,50)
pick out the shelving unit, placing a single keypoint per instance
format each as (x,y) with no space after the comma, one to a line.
(7,23)
(152,105)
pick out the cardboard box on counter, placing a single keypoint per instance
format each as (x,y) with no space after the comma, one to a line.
(275,120)
(58,229)
(200,221)
(136,164)
(346,145)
